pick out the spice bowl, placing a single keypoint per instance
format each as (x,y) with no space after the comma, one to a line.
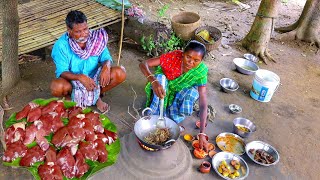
(243,127)
(188,137)
(235,109)
(205,167)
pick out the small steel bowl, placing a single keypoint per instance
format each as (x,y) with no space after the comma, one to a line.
(264,146)
(235,108)
(245,123)
(228,157)
(251,57)
(245,66)
(228,85)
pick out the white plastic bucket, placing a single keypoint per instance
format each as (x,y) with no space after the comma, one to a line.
(264,84)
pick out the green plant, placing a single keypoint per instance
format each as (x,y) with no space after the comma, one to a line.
(172,44)
(148,44)
(162,11)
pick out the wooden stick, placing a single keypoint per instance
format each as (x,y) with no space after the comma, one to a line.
(121,36)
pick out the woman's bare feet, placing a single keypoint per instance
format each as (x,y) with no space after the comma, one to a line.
(102,106)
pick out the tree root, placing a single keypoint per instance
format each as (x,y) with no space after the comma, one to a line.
(264,55)
(316,42)
(1,128)
(287,28)
(259,50)
(6,104)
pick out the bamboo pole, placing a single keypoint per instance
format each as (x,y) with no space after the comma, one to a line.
(121,36)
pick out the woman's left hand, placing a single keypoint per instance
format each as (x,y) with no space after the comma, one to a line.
(203,142)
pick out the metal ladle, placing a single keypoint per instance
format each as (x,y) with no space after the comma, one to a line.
(161,121)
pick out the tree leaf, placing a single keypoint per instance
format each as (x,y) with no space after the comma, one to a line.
(113,150)
(34,143)
(69,104)
(106,123)
(86,110)
(34,170)
(49,137)
(44,102)
(65,121)
(14,163)
(111,127)
(12,120)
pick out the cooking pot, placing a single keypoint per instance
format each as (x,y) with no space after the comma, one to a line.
(147,124)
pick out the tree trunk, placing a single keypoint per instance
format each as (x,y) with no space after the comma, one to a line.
(307,28)
(10,32)
(256,41)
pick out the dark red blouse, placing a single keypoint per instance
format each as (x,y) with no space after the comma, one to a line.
(171,64)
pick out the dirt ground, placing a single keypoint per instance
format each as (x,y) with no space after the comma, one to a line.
(289,122)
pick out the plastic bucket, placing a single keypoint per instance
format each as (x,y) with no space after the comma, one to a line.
(264,84)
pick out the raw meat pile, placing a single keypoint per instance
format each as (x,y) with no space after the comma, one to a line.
(84,137)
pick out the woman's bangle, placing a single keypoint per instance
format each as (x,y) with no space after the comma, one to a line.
(154,81)
(151,75)
(203,134)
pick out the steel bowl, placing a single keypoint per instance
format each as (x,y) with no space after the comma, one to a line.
(235,108)
(245,66)
(230,142)
(219,157)
(228,85)
(245,123)
(262,145)
(251,57)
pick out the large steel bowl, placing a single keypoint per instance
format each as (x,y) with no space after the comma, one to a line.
(240,121)
(219,157)
(228,85)
(245,66)
(264,146)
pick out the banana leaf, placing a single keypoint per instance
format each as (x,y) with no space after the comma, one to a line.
(113,149)
(115,4)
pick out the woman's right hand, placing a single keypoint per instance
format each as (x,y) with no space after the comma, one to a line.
(158,89)
(87,82)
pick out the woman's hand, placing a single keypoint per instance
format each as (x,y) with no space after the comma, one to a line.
(158,89)
(203,142)
(88,83)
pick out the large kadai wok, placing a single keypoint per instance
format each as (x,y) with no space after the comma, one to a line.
(148,124)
